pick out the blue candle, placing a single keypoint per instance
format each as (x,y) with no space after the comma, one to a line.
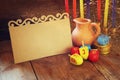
(88,9)
(113,12)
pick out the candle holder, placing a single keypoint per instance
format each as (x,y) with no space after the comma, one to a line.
(113,30)
(104,49)
(105,30)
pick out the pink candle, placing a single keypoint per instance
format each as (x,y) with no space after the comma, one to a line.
(67,6)
(74,8)
(99,9)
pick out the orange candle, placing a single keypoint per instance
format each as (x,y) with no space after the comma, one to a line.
(74,8)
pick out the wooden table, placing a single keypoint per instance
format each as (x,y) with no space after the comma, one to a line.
(58,67)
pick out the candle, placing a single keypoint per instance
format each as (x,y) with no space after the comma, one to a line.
(81,9)
(67,6)
(74,8)
(99,10)
(88,9)
(113,12)
(106,13)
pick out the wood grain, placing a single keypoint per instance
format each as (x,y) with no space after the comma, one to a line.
(109,65)
(11,71)
(59,68)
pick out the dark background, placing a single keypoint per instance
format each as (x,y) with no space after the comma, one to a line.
(15,9)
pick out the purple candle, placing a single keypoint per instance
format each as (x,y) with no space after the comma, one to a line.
(113,12)
(88,9)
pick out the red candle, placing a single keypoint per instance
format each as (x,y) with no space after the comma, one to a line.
(99,9)
(74,8)
(67,6)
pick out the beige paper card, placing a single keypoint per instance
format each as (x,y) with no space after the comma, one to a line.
(40,37)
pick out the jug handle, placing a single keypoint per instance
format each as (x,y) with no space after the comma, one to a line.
(97,27)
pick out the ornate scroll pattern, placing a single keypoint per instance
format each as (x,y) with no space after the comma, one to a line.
(35,20)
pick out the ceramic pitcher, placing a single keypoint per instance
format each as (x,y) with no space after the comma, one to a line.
(85,30)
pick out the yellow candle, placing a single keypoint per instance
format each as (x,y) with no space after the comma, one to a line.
(106,13)
(81,9)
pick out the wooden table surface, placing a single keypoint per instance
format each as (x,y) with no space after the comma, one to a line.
(58,67)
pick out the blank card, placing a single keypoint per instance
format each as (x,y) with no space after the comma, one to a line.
(35,38)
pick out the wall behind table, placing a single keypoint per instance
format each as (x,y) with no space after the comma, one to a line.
(14,9)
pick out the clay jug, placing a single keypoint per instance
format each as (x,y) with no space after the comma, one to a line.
(85,30)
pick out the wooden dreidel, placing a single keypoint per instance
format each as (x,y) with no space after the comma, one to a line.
(84,51)
(93,55)
(103,39)
(76,59)
(74,50)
